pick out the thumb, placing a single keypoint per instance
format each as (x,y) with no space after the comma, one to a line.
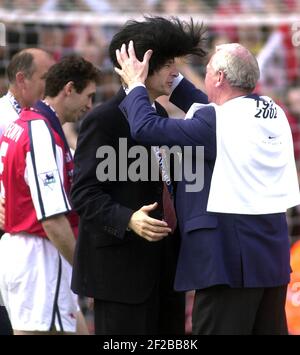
(147,56)
(149,208)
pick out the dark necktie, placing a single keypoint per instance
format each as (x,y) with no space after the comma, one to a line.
(168,201)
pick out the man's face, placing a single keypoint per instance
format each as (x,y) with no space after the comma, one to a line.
(79,103)
(35,86)
(160,82)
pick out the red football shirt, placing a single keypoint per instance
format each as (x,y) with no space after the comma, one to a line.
(36,174)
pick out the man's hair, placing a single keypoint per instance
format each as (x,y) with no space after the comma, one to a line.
(168,38)
(238,64)
(71,68)
(21,62)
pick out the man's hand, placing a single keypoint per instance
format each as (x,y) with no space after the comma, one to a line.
(132,70)
(2,213)
(146,227)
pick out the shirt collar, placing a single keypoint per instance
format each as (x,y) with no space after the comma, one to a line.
(15,104)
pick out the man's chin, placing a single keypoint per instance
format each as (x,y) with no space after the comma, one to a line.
(167,92)
(80,116)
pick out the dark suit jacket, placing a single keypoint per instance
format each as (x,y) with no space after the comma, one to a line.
(237,250)
(110,262)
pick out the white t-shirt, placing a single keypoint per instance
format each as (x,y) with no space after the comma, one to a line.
(255,170)
(8,112)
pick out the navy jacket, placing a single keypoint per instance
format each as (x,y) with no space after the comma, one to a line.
(216,248)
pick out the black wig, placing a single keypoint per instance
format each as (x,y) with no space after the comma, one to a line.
(168,38)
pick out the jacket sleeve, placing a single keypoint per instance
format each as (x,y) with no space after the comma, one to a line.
(91,198)
(148,127)
(185,94)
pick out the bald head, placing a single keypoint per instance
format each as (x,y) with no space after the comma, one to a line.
(238,64)
(27,75)
(26,61)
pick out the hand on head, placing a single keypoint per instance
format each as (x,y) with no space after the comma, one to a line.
(132,70)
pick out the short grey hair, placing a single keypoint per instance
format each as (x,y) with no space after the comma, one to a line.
(238,64)
(22,61)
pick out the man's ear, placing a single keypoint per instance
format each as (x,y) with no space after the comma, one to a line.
(69,88)
(221,78)
(20,79)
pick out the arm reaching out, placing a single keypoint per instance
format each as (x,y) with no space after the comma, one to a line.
(132,70)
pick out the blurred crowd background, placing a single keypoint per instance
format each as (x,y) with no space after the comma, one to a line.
(270,29)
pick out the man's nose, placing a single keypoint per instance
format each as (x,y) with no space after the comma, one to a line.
(175,72)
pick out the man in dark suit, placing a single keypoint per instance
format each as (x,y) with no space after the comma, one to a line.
(122,257)
(235,247)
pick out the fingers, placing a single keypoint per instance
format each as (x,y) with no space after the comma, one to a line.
(123,52)
(153,236)
(121,55)
(148,208)
(131,51)
(160,229)
(153,222)
(147,56)
(131,69)
(118,56)
(154,233)
(156,223)
(150,228)
(153,225)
